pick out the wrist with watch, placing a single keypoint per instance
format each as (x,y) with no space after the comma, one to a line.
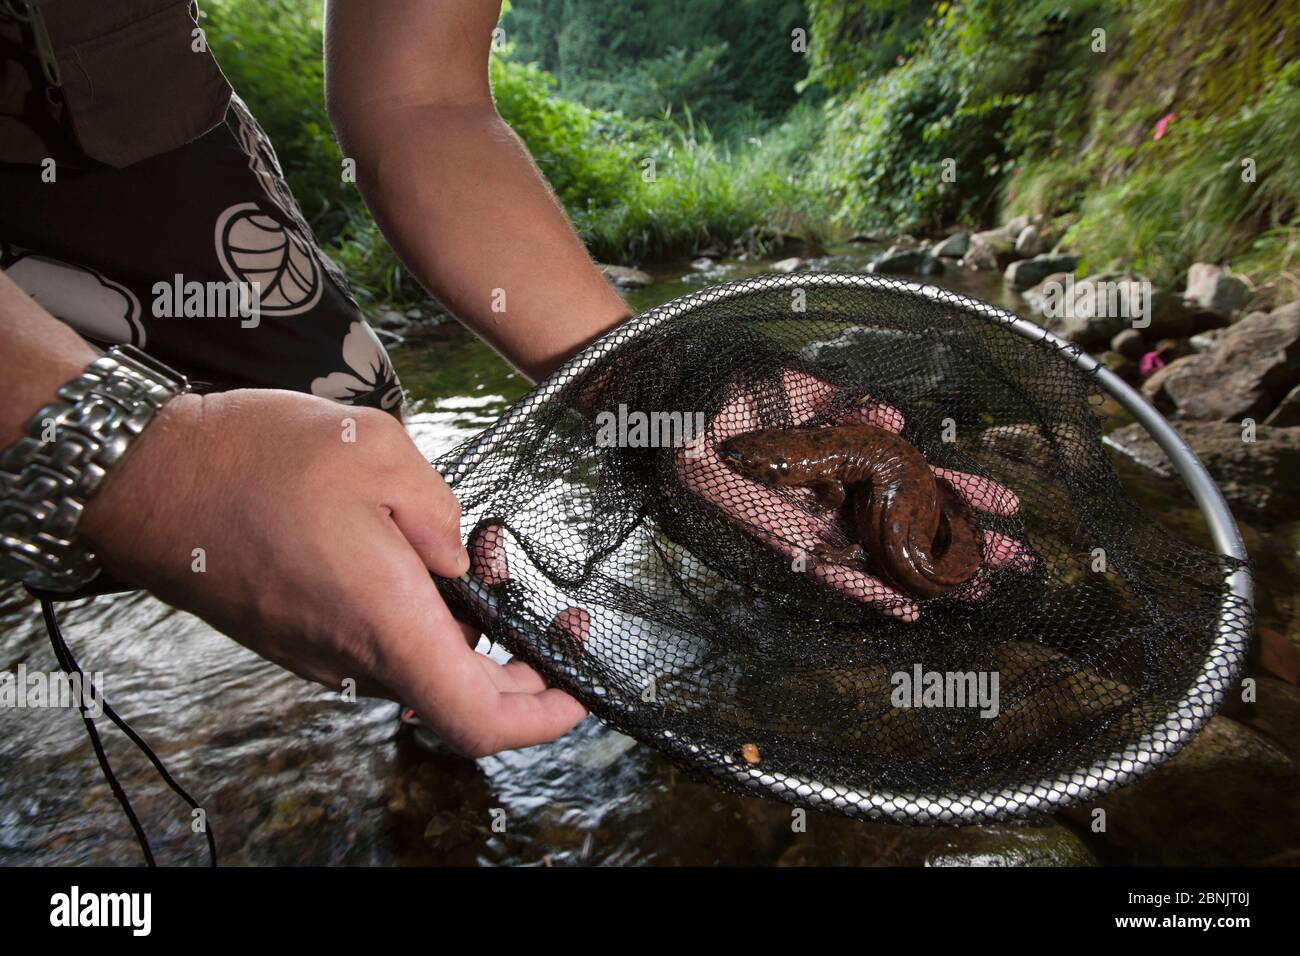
(67,449)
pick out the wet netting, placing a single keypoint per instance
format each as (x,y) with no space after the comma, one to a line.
(730,623)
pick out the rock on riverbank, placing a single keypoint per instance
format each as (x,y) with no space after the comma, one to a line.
(1248,372)
(1257,478)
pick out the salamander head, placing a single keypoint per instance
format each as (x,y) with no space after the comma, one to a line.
(758,455)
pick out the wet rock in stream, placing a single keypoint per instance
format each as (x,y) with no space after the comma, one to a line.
(954,247)
(906,261)
(989,251)
(1230,797)
(1029,272)
(833,841)
(1275,712)
(626,277)
(1046,845)
(1256,477)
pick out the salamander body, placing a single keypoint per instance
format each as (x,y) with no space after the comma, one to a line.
(920,531)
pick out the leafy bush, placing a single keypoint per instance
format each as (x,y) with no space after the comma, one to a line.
(1048,187)
(978,85)
(705,192)
(856,41)
(586,156)
(884,154)
(729,62)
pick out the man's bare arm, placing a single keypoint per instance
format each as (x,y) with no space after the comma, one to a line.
(41,353)
(450,184)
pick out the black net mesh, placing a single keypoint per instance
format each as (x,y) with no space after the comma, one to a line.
(716,626)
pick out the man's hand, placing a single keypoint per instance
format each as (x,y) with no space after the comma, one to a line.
(316,554)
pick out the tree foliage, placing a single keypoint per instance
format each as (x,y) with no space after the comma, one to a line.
(731,61)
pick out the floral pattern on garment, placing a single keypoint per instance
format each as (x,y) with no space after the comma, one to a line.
(369,372)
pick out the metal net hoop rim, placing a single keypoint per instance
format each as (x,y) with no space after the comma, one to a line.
(1219,668)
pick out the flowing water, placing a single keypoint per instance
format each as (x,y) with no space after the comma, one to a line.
(290,774)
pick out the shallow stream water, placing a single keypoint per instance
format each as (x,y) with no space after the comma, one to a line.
(289,774)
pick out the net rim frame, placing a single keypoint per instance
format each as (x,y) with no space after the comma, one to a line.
(1220,667)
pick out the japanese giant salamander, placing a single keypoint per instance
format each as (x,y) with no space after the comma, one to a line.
(916,526)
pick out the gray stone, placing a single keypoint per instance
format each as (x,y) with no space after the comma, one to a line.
(1091,331)
(788,265)
(905,261)
(1173,318)
(1212,287)
(1167,315)
(1130,344)
(1230,797)
(1029,272)
(625,277)
(1255,477)
(987,251)
(1049,845)
(954,247)
(604,750)
(1248,372)
(1014,227)
(1036,296)
(980,256)
(1207,340)
(1091,310)
(1030,242)
(391,320)
(703,264)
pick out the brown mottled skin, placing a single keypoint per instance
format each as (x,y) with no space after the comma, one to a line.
(922,533)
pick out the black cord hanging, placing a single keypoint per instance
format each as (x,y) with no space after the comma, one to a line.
(70,666)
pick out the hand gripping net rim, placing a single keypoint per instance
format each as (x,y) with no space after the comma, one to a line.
(1218,670)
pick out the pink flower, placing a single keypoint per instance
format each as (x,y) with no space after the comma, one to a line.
(1162,124)
(1150,364)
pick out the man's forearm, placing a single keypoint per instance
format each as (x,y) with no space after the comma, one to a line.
(451,185)
(458,196)
(40,355)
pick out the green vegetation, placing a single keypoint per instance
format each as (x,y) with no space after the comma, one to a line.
(1046,115)
(979,85)
(729,61)
(749,141)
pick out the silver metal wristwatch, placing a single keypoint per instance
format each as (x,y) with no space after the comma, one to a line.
(48,475)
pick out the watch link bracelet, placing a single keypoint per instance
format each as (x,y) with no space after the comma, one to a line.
(48,475)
